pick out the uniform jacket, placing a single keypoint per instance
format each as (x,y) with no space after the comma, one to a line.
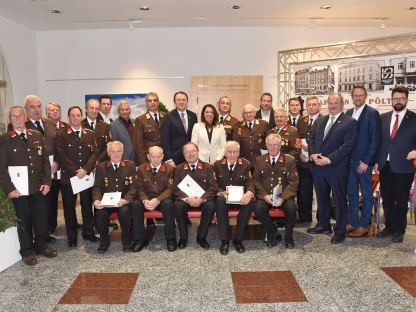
(291,143)
(209,151)
(123,180)
(102,137)
(155,186)
(15,152)
(241,175)
(146,134)
(228,124)
(50,133)
(119,132)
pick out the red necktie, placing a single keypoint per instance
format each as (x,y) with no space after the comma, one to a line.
(395,127)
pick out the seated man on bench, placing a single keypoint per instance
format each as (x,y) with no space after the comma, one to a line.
(233,171)
(272,170)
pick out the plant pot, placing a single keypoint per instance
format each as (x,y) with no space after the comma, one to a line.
(9,246)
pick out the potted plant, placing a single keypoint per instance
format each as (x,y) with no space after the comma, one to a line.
(9,241)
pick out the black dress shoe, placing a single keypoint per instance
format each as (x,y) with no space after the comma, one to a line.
(337,239)
(319,230)
(139,245)
(129,247)
(103,247)
(397,238)
(225,247)
(171,244)
(50,239)
(289,243)
(239,247)
(182,243)
(384,233)
(274,240)
(91,238)
(72,243)
(202,242)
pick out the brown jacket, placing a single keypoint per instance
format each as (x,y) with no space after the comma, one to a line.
(74,153)
(228,124)
(108,180)
(146,134)
(291,143)
(241,175)
(203,175)
(50,133)
(15,152)
(251,141)
(267,177)
(155,186)
(102,137)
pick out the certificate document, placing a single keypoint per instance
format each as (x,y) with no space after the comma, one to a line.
(234,194)
(20,178)
(111,199)
(303,152)
(277,193)
(190,187)
(79,185)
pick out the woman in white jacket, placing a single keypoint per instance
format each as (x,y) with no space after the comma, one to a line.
(209,135)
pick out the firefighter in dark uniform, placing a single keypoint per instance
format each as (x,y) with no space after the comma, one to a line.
(100,128)
(291,143)
(147,128)
(155,192)
(271,170)
(77,155)
(115,175)
(251,134)
(203,174)
(225,118)
(24,147)
(233,170)
(305,189)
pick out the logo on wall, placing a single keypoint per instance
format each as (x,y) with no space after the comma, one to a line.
(387,75)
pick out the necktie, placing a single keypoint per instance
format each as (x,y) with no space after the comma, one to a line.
(231,168)
(77,133)
(310,122)
(39,127)
(157,120)
(329,127)
(92,125)
(111,120)
(221,119)
(278,130)
(115,167)
(294,121)
(184,122)
(273,162)
(395,127)
(23,137)
(250,125)
(154,170)
(192,168)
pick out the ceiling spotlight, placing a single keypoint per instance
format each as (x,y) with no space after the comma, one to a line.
(325,7)
(144,8)
(55,11)
(412,8)
(236,7)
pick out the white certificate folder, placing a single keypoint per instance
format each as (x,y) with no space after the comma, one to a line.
(111,199)
(190,187)
(20,178)
(79,185)
(234,194)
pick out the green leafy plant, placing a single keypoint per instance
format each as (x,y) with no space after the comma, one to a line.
(7,213)
(163,108)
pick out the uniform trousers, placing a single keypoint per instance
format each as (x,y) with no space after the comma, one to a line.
(223,220)
(395,191)
(32,215)
(69,201)
(103,223)
(53,208)
(137,214)
(261,210)
(207,214)
(305,194)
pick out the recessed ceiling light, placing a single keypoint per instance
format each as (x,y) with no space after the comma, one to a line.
(55,11)
(412,8)
(325,7)
(144,8)
(236,7)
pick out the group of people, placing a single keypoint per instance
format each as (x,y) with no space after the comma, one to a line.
(277,159)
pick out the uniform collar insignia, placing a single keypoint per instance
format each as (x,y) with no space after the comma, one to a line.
(306,119)
(162,168)
(108,164)
(12,133)
(148,167)
(240,161)
(199,164)
(29,131)
(281,158)
(61,124)
(185,166)
(244,123)
(122,163)
(228,117)
(285,127)
(84,130)
(266,157)
(161,114)
(148,116)
(69,130)
(256,122)
(224,161)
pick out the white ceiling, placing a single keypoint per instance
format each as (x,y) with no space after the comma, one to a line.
(90,14)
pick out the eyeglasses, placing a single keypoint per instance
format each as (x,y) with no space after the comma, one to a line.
(402,99)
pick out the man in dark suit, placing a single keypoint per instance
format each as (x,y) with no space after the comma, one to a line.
(396,152)
(305,189)
(106,103)
(362,162)
(122,129)
(266,111)
(177,129)
(295,110)
(330,148)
